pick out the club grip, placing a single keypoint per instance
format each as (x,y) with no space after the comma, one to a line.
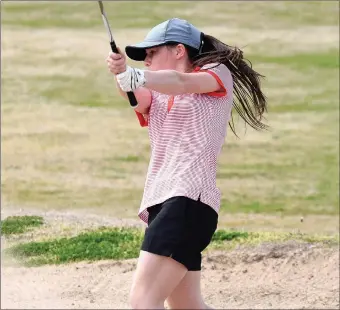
(131,95)
(114,47)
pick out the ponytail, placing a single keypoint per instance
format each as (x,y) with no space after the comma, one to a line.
(250,102)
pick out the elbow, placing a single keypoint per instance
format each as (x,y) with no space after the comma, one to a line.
(173,84)
(182,83)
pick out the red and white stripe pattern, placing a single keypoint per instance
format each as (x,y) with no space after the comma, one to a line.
(186,135)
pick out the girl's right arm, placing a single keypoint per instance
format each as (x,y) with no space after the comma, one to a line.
(143,96)
(117,64)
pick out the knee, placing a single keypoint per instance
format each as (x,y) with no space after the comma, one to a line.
(135,301)
(183,304)
(138,300)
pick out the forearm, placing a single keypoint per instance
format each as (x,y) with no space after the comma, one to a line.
(168,82)
(122,93)
(143,96)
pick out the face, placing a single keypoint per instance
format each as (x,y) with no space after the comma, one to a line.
(164,57)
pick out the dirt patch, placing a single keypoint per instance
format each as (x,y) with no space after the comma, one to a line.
(272,276)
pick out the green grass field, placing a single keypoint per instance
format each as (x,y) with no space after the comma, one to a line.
(70,142)
(117,243)
(13,225)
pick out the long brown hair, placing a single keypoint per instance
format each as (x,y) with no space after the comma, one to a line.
(250,101)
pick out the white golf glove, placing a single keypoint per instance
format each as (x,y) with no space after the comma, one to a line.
(131,79)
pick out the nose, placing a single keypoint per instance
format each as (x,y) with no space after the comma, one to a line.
(147,61)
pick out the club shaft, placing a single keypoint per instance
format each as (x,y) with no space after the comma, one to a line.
(131,96)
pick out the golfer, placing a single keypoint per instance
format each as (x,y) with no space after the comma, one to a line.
(185,97)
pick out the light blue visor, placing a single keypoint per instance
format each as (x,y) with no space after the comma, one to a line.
(174,30)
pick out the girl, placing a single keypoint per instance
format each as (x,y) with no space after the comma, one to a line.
(185,97)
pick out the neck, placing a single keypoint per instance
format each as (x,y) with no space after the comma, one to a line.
(183,67)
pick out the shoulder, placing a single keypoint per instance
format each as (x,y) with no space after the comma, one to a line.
(223,77)
(217,68)
(219,71)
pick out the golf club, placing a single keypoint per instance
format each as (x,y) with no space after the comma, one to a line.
(131,96)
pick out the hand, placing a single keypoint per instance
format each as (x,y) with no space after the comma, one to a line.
(131,79)
(116,62)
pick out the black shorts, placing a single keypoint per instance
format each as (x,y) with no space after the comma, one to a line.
(180,228)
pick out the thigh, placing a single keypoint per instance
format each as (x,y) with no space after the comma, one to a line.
(187,294)
(156,277)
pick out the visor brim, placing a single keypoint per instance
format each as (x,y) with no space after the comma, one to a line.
(137,52)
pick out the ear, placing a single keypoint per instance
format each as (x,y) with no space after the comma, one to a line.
(180,51)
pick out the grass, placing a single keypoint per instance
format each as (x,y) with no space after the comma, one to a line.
(103,244)
(70,142)
(132,14)
(303,61)
(254,239)
(223,235)
(20,224)
(124,243)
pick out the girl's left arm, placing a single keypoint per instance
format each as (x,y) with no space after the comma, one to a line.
(172,82)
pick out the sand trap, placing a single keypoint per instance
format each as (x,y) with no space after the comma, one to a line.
(269,277)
